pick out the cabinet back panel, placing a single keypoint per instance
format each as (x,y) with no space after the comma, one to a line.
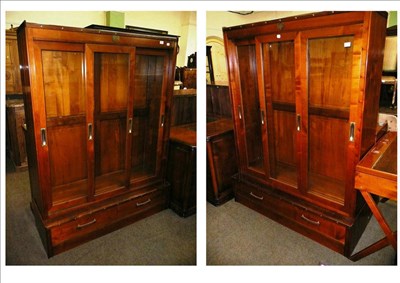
(63,83)
(110,146)
(112,80)
(149,77)
(330,71)
(281,64)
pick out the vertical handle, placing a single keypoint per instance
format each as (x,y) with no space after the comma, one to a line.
(262,117)
(130,125)
(90,131)
(43,135)
(162,120)
(298,122)
(351,134)
(240,112)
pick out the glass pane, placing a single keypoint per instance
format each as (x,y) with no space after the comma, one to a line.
(111,89)
(149,74)
(250,109)
(279,74)
(330,75)
(65,101)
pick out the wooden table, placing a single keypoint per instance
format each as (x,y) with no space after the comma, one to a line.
(376,174)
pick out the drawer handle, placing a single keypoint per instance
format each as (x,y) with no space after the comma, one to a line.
(256,196)
(309,220)
(143,203)
(80,226)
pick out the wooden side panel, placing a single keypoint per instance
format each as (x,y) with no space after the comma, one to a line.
(375,26)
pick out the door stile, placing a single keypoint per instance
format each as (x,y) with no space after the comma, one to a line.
(89,82)
(234,85)
(301,79)
(129,117)
(38,102)
(266,115)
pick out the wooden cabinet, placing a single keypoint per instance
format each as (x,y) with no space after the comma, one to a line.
(181,171)
(97,112)
(184,107)
(305,96)
(13,77)
(218,101)
(15,133)
(221,161)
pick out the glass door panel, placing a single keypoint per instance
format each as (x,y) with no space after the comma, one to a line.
(279,83)
(249,111)
(65,107)
(330,62)
(147,108)
(111,92)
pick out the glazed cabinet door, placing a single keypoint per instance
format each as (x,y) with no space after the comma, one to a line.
(61,113)
(247,114)
(110,72)
(330,119)
(148,120)
(279,123)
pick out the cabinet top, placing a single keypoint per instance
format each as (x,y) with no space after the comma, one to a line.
(312,20)
(88,30)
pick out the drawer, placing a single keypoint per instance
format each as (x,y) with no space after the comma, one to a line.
(83,225)
(288,213)
(141,203)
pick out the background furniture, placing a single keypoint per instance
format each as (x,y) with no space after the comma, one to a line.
(305,110)
(13,76)
(181,171)
(221,161)
(376,175)
(184,107)
(97,112)
(218,101)
(15,133)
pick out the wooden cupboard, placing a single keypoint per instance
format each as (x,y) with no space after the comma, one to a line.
(221,161)
(181,171)
(97,107)
(15,134)
(305,99)
(13,77)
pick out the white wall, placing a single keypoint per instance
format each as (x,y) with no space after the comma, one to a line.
(181,23)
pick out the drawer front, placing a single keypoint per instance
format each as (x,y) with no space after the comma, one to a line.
(83,225)
(92,223)
(141,203)
(263,201)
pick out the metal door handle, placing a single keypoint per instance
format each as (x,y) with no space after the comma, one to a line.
(130,125)
(43,135)
(351,134)
(162,120)
(80,226)
(240,112)
(262,117)
(90,131)
(298,122)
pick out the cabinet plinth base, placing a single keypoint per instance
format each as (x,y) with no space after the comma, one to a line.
(337,233)
(73,229)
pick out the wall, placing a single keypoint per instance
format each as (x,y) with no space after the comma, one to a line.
(182,23)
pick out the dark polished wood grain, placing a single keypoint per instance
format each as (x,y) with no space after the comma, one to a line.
(97,113)
(376,174)
(304,102)
(181,171)
(221,161)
